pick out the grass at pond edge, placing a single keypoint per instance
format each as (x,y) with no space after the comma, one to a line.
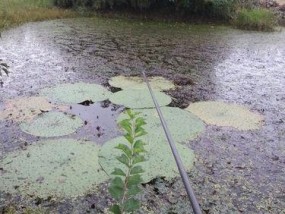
(16,12)
(259,19)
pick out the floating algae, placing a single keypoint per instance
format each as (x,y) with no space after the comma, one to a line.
(52,124)
(225,114)
(25,108)
(60,168)
(139,98)
(76,93)
(183,125)
(157,83)
(160,161)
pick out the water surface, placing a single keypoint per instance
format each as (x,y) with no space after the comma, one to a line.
(236,171)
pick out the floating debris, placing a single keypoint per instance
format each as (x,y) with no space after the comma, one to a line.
(225,114)
(160,161)
(52,124)
(53,168)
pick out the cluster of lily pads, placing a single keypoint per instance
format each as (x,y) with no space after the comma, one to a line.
(66,167)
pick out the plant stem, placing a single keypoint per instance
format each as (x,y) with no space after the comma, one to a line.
(130,166)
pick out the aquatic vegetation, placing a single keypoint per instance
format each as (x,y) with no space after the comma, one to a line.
(184,126)
(134,82)
(139,98)
(125,185)
(159,159)
(52,124)
(76,93)
(53,168)
(26,108)
(225,114)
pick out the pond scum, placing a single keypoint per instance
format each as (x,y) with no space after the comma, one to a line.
(66,168)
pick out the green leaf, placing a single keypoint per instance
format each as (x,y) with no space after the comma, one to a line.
(140,121)
(118,171)
(133,190)
(126,124)
(136,170)
(138,159)
(140,133)
(139,146)
(134,180)
(131,205)
(129,138)
(139,129)
(115,209)
(129,112)
(124,159)
(116,188)
(125,149)
(132,114)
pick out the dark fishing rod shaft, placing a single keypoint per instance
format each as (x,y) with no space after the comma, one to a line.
(182,171)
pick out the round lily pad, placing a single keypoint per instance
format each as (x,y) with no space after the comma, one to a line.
(159,159)
(139,98)
(25,108)
(183,125)
(225,114)
(157,83)
(76,93)
(52,124)
(60,168)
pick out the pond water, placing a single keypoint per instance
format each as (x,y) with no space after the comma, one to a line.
(235,171)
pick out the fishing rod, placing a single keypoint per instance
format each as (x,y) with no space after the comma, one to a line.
(195,205)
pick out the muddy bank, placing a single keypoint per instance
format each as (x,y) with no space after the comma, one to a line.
(235,171)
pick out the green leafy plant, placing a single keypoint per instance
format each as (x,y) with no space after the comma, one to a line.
(125,185)
(256,19)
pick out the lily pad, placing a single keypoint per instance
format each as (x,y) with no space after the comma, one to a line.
(60,168)
(157,83)
(183,125)
(139,98)
(225,114)
(76,93)
(160,161)
(25,108)
(52,124)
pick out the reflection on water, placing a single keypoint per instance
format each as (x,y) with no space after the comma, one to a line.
(99,121)
(254,70)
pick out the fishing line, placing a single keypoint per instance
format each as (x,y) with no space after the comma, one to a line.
(182,171)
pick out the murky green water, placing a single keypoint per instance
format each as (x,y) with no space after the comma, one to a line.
(236,171)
